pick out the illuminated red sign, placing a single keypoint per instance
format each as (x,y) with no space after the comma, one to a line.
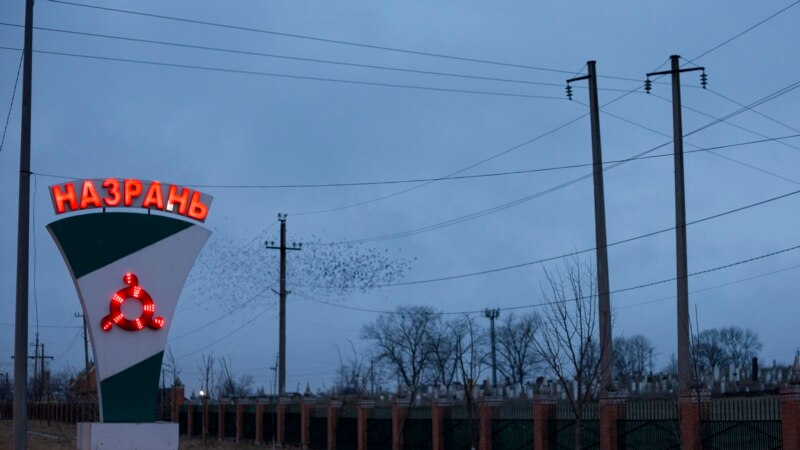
(115,316)
(128,192)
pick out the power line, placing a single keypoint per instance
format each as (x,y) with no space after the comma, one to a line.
(298,58)
(747,30)
(240,328)
(553,258)
(618,98)
(717,286)
(453,178)
(736,161)
(628,289)
(697,111)
(311,38)
(288,76)
(11,103)
(527,198)
(753,110)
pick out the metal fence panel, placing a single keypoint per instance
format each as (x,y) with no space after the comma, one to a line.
(648,434)
(417,434)
(346,433)
(749,434)
(512,434)
(561,434)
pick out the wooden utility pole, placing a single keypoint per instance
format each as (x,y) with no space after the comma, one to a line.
(601,246)
(85,345)
(492,314)
(23,224)
(282,294)
(686,377)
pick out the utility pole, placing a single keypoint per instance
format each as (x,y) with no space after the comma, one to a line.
(603,287)
(686,379)
(492,314)
(85,346)
(35,359)
(42,372)
(282,294)
(23,235)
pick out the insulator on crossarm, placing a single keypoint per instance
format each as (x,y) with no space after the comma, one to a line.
(648,85)
(703,79)
(569,92)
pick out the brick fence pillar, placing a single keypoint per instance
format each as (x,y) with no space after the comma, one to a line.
(362,414)
(220,420)
(177,402)
(333,416)
(440,411)
(790,417)
(693,410)
(487,410)
(399,414)
(239,420)
(259,423)
(612,409)
(280,420)
(189,419)
(308,405)
(543,406)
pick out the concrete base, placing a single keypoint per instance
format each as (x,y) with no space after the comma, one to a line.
(127,436)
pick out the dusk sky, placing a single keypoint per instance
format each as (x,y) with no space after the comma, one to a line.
(466,88)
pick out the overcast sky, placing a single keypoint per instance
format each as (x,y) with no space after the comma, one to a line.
(96,118)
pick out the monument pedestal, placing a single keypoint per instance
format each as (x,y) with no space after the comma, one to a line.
(127,436)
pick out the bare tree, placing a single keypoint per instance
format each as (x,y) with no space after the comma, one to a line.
(708,351)
(207,373)
(171,366)
(402,341)
(516,337)
(228,385)
(740,345)
(472,357)
(443,367)
(568,341)
(353,373)
(632,356)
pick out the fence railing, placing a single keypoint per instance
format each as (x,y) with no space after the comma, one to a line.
(749,422)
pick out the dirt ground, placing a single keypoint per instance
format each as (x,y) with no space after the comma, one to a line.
(42,436)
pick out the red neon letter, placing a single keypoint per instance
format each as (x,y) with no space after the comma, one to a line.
(89,195)
(197,210)
(133,188)
(182,200)
(61,197)
(154,196)
(112,184)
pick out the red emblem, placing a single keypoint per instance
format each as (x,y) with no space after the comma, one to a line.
(115,315)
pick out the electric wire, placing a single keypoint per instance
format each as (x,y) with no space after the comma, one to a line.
(453,178)
(291,76)
(573,299)
(525,199)
(709,288)
(311,38)
(753,110)
(747,30)
(11,103)
(237,330)
(654,81)
(711,151)
(697,111)
(577,252)
(298,58)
